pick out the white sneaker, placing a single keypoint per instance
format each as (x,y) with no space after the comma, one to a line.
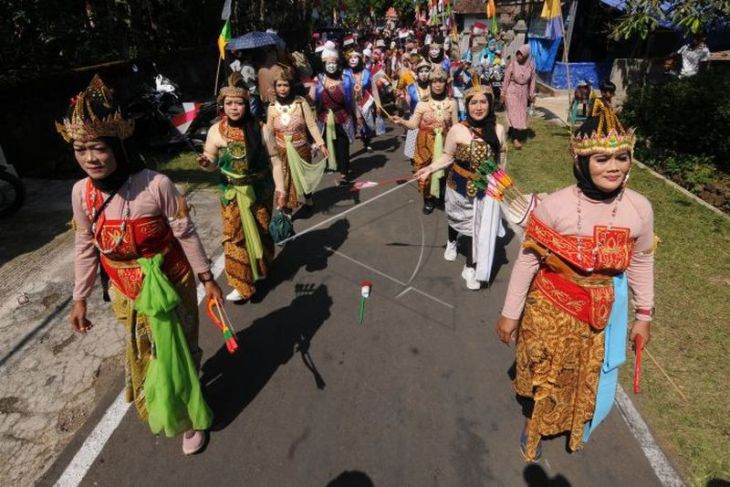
(234,296)
(450,252)
(470,277)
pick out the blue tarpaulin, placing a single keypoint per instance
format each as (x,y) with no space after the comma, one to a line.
(543,52)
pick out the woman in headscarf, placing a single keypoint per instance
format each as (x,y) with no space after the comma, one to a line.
(567,301)
(135,223)
(432,118)
(518,91)
(235,147)
(291,122)
(471,146)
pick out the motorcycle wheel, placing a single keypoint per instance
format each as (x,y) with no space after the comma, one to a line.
(12,194)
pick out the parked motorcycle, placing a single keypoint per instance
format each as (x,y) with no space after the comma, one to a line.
(12,190)
(163,120)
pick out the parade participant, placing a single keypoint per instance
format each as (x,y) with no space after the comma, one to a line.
(357,82)
(235,147)
(461,83)
(335,112)
(266,75)
(415,92)
(469,145)
(567,301)
(487,55)
(437,57)
(135,223)
(518,90)
(432,117)
(289,120)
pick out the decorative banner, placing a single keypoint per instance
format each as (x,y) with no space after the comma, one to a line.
(223,38)
(552,12)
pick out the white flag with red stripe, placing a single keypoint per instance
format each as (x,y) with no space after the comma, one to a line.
(182,121)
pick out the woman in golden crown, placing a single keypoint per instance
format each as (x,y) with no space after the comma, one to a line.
(235,147)
(135,223)
(291,122)
(567,301)
(469,146)
(432,117)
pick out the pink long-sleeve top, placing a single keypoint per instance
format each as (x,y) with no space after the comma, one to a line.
(151,194)
(558,211)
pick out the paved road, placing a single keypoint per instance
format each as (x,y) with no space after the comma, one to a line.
(418,395)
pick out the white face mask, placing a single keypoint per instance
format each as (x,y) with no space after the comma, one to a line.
(353,61)
(434,52)
(423,75)
(330,67)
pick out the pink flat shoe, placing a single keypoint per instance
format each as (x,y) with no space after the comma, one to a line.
(193,442)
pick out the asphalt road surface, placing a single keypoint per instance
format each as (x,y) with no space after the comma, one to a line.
(417,395)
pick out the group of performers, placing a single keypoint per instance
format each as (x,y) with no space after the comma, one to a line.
(584,245)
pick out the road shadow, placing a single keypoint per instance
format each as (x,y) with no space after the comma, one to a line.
(535,476)
(500,252)
(307,251)
(351,478)
(232,381)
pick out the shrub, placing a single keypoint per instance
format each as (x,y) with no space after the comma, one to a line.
(688,117)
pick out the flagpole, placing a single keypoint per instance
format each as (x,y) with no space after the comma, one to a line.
(217,75)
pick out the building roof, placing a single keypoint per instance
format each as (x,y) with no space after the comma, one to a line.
(472,7)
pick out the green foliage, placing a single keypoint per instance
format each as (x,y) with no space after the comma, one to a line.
(687,117)
(642,17)
(43,36)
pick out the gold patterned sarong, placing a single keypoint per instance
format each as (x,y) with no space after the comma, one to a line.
(558,360)
(139,342)
(305,152)
(423,157)
(237,262)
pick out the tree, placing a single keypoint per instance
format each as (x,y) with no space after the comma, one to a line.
(642,17)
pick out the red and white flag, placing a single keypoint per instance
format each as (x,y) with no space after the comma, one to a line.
(182,121)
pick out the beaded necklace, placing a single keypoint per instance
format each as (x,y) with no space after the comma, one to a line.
(125,216)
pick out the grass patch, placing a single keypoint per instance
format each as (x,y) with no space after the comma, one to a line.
(183,169)
(690,336)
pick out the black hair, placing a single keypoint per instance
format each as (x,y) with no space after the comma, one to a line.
(607,85)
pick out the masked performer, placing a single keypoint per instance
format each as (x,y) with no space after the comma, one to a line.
(469,146)
(414,93)
(432,118)
(290,121)
(567,300)
(437,57)
(358,81)
(135,223)
(335,112)
(235,147)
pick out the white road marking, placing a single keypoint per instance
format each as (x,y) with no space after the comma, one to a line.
(391,278)
(340,215)
(658,461)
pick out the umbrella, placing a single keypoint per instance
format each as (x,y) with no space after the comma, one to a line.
(252,40)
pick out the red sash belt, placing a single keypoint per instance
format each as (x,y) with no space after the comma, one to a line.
(588,303)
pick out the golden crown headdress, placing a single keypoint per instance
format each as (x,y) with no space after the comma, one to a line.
(94,114)
(236,88)
(437,72)
(477,87)
(609,137)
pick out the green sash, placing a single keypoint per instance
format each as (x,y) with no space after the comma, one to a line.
(172,389)
(438,150)
(245,197)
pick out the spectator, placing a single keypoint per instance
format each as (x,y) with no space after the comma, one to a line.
(693,54)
